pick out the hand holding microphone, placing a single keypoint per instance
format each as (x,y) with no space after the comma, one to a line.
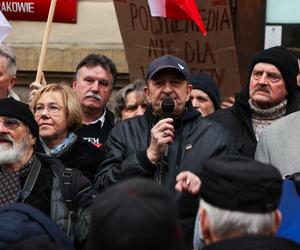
(162,133)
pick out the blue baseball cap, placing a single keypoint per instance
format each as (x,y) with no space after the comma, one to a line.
(165,62)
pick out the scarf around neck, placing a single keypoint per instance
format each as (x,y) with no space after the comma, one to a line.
(262,118)
(60,148)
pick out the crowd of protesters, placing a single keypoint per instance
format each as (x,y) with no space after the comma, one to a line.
(170,169)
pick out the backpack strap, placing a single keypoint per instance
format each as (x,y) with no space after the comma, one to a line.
(30,181)
(67,192)
(68,196)
(65,179)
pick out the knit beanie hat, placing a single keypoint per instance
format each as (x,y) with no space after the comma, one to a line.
(206,83)
(285,62)
(16,109)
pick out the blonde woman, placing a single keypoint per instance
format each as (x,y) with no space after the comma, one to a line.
(58,114)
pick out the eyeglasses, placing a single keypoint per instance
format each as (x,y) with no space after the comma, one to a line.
(11,123)
(51,109)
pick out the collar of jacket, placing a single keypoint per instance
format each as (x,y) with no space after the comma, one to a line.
(189,114)
(241,102)
(253,242)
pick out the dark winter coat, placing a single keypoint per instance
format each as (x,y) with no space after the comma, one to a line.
(195,140)
(83,156)
(47,196)
(254,242)
(238,120)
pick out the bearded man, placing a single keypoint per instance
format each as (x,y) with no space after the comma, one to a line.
(39,180)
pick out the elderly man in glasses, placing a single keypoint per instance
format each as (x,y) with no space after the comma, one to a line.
(39,180)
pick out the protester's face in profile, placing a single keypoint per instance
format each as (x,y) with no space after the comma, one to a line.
(136,104)
(93,88)
(50,114)
(202,102)
(15,137)
(168,83)
(6,80)
(267,86)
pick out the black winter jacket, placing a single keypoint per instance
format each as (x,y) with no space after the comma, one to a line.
(80,155)
(47,196)
(83,156)
(254,242)
(238,120)
(195,140)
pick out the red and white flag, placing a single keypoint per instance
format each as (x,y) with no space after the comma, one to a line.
(5,27)
(177,9)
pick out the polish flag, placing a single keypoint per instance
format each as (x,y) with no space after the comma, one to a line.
(5,27)
(177,9)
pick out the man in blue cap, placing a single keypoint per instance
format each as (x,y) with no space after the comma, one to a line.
(171,140)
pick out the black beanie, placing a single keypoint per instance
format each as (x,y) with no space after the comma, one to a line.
(16,109)
(208,85)
(286,63)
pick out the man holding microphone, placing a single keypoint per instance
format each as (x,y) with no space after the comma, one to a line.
(169,143)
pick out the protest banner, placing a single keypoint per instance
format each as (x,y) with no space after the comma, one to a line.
(146,38)
(37,10)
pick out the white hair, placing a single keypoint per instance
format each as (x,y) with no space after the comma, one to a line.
(8,53)
(223,222)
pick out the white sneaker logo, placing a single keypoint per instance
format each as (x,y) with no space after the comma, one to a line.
(180,66)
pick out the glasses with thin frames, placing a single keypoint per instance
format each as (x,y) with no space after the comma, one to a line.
(11,123)
(52,109)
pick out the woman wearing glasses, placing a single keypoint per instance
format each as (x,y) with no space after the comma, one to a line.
(58,114)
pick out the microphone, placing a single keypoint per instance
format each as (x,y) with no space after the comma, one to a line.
(167,107)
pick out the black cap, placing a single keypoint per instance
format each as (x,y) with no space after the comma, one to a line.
(207,84)
(238,183)
(285,61)
(134,214)
(165,62)
(16,109)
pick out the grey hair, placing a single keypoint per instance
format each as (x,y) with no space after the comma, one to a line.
(7,52)
(223,222)
(121,97)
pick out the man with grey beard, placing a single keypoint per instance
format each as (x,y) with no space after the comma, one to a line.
(39,180)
